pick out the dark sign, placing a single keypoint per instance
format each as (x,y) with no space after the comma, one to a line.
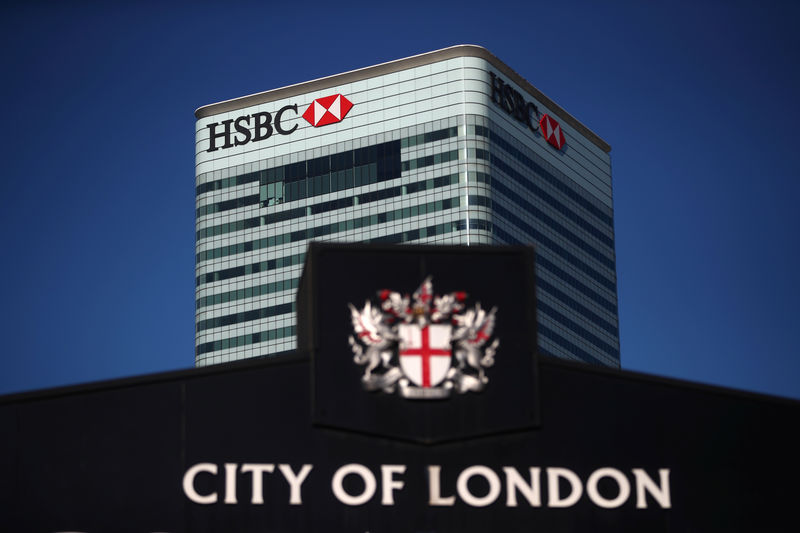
(427,343)
(265,445)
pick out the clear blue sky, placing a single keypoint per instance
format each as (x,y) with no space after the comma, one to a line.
(699,101)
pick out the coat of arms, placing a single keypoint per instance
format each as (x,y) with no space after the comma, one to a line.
(423,346)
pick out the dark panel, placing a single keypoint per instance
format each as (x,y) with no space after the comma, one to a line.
(86,462)
(113,459)
(496,277)
(9,458)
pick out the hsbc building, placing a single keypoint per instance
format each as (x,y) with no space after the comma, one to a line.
(448,147)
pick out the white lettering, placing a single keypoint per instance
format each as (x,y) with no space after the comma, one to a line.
(564,487)
(257,470)
(230,483)
(462,485)
(554,498)
(434,488)
(597,498)
(388,484)
(360,470)
(295,481)
(188,483)
(514,483)
(659,493)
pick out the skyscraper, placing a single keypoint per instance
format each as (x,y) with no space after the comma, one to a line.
(447,147)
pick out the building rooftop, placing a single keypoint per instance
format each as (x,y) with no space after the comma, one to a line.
(463,50)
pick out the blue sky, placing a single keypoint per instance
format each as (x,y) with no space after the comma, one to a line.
(697,99)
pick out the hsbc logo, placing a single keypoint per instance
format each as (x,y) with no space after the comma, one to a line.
(551,131)
(327,110)
(513,103)
(261,126)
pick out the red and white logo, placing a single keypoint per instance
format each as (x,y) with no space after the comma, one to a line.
(327,110)
(423,346)
(425,353)
(552,131)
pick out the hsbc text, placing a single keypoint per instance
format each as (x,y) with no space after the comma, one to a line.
(513,103)
(262,125)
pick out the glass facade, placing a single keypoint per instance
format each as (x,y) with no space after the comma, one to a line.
(425,156)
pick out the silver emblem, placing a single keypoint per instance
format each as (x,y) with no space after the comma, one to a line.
(423,346)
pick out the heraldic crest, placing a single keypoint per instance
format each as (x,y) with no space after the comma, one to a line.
(423,346)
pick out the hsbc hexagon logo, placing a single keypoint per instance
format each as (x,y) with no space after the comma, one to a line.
(327,110)
(552,131)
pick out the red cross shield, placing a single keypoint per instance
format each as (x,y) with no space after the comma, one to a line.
(425,353)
